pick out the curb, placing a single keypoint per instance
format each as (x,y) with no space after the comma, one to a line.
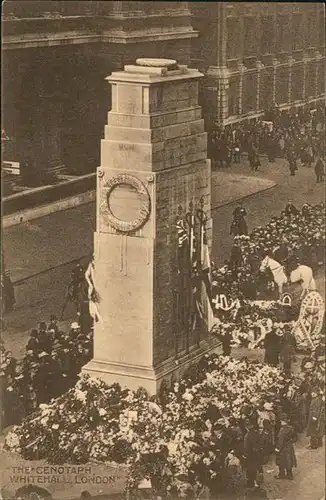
(48,209)
(244,197)
(20,281)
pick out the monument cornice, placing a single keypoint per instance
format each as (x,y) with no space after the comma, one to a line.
(144,77)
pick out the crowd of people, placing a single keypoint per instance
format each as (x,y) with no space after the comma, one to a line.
(50,366)
(296,236)
(294,135)
(274,426)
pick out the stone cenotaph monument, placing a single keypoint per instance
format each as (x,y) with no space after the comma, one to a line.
(153,161)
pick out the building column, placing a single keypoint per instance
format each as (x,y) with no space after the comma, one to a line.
(305,64)
(291,61)
(221,78)
(275,64)
(318,57)
(260,67)
(218,71)
(242,68)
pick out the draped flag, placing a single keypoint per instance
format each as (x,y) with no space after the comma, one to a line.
(182,235)
(195,309)
(206,286)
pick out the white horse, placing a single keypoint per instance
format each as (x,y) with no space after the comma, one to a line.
(305,275)
(277,270)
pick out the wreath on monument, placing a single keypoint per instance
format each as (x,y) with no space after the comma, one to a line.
(145,209)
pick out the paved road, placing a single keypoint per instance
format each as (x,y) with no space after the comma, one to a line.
(64,236)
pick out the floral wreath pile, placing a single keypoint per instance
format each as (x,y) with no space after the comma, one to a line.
(182,441)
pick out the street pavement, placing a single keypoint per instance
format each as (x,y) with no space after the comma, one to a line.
(45,248)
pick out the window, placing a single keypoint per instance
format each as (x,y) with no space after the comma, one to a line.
(232,42)
(310,79)
(321,77)
(321,30)
(311,29)
(297,83)
(283,31)
(249,45)
(297,32)
(233,96)
(282,85)
(267,35)
(266,88)
(249,98)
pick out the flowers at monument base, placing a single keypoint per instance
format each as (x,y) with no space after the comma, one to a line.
(180,444)
(247,329)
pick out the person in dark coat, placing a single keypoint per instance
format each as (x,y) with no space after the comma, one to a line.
(292,163)
(287,350)
(53,325)
(290,209)
(319,170)
(285,455)
(7,287)
(253,454)
(226,343)
(239,225)
(272,348)
(316,421)
(281,252)
(45,338)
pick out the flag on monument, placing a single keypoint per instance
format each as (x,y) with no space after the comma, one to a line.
(182,236)
(195,307)
(206,286)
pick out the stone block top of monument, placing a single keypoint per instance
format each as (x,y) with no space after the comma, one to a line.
(148,70)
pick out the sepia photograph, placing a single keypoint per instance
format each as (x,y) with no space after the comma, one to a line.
(163,250)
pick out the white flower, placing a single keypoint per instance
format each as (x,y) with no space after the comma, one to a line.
(55,426)
(187,396)
(12,440)
(102,412)
(80,395)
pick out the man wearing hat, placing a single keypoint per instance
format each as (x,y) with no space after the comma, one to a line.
(316,420)
(53,325)
(74,329)
(33,343)
(319,170)
(272,348)
(45,338)
(41,378)
(290,209)
(253,453)
(285,455)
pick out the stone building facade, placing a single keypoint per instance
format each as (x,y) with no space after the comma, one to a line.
(56,55)
(258,54)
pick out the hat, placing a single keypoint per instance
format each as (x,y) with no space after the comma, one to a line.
(284,417)
(268,406)
(43,354)
(74,326)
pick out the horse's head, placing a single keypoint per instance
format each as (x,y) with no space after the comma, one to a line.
(264,264)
